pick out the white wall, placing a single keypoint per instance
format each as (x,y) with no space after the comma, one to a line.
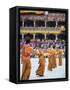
(4,44)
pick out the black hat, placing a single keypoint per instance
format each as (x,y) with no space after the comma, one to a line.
(27,39)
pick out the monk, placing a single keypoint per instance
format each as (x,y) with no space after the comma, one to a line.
(41,68)
(60,53)
(51,58)
(26,50)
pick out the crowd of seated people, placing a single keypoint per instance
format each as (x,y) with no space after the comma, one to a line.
(45,44)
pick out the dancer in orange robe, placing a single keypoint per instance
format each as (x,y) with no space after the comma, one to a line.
(26,69)
(60,53)
(41,68)
(51,58)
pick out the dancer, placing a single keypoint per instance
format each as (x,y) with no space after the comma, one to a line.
(51,57)
(26,50)
(60,53)
(41,68)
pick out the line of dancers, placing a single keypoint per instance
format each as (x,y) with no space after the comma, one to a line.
(42,54)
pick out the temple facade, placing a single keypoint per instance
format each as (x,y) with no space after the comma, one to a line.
(44,23)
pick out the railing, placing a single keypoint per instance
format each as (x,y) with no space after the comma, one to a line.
(43,28)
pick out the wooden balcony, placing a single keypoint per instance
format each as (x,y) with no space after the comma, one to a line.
(43,30)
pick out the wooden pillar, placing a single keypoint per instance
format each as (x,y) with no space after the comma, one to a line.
(34,36)
(45,36)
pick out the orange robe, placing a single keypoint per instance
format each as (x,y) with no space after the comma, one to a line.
(26,69)
(60,52)
(51,58)
(41,68)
